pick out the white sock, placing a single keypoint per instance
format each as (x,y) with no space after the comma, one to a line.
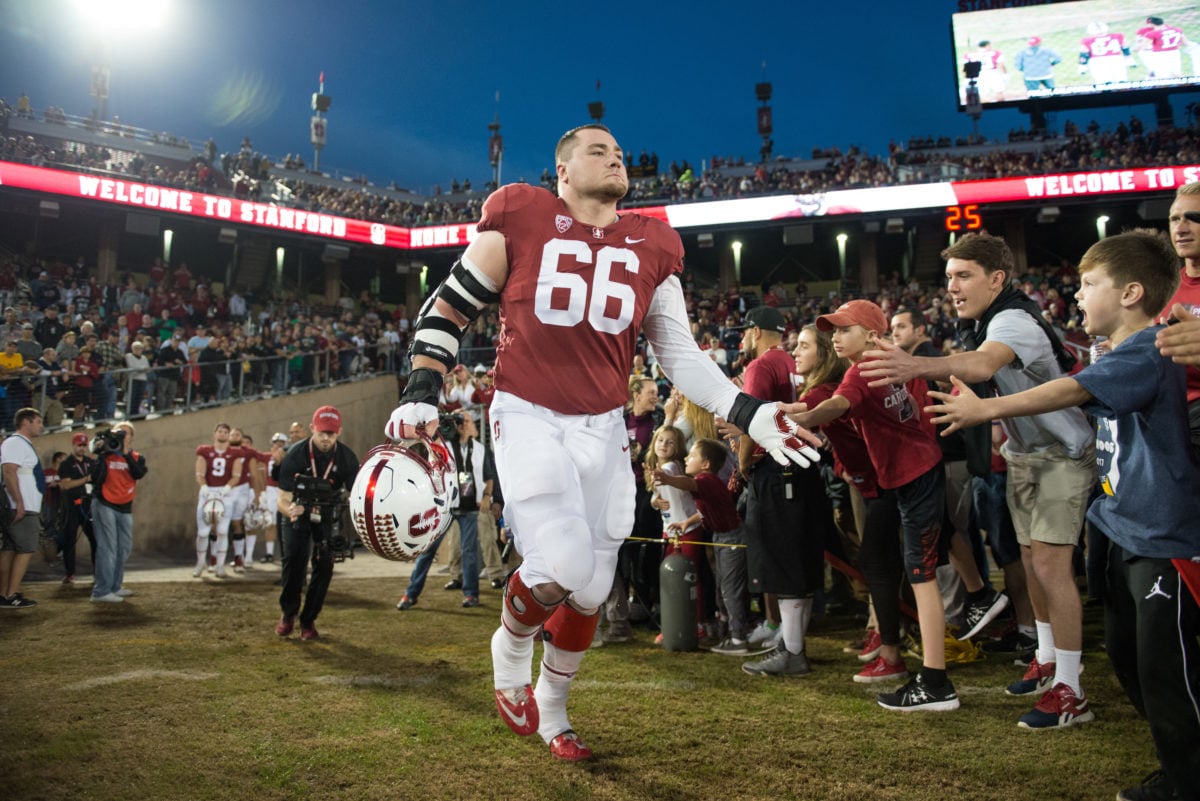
(239,548)
(222,549)
(251,540)
(558,669)
(512,659)
(202,550)
(794,614)
(1045,647)
(270,547)
(1066,668)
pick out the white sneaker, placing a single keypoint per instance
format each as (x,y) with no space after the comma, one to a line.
(763,636)
(199,571)
(111,598)
(220,571)
(124,592)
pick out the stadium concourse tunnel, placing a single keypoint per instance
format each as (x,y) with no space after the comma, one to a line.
(164,511)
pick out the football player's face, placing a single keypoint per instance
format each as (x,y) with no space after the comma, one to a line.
(596,167)
(221,434)
(1185,234)
(972,289)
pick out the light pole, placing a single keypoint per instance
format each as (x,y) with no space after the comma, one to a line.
(1102,226)
(841,243)
(736,246)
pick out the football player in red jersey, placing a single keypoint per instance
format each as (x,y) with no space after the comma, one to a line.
(575,281)
(218,471)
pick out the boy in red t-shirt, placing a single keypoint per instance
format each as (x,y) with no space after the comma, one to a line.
(715,507)
(908,462)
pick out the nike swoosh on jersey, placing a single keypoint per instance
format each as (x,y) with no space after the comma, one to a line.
(629,241)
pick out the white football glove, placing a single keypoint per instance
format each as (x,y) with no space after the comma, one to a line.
(418,406)
(409,419)
(780,437)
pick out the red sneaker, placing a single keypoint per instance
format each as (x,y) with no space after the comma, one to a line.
(1037,679)
(239,563)
(309,633)
(1059,708)
(871,646)
(881,670)
(518,709)
(569,748)
(285,625)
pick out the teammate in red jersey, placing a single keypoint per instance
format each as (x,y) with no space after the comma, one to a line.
(1105,54)
(1160,46)
(218,471)
(993,72)
(575,281)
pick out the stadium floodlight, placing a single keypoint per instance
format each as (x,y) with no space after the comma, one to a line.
(736,247)
(841,243)
(130,16)
(1102,226)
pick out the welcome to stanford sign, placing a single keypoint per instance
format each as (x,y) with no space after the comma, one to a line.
(912,197)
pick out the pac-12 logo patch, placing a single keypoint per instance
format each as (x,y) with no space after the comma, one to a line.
(562,222)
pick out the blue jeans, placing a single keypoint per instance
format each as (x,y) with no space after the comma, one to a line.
(420,571)
(114,542)
(468,528)
(108,397)
(988,493)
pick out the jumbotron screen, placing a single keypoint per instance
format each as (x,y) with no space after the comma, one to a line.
(1010,55)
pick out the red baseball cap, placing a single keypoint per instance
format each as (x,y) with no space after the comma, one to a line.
(855,312)
(79,439)
(1034,41)
(327,418)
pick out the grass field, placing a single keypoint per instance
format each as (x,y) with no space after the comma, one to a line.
(184,692)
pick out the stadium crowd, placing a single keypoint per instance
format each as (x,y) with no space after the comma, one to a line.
(249,173)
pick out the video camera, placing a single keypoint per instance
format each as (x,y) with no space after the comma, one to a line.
(448,423)
(111,440)
(323,503)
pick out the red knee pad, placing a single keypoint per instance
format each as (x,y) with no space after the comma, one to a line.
(569,630)
(521,604)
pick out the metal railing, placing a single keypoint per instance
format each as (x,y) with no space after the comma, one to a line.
(124,394)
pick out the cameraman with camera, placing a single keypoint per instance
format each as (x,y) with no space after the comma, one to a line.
(315,477)
(115,475)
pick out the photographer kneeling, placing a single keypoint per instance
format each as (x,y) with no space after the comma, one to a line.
(115,474)
(314,479)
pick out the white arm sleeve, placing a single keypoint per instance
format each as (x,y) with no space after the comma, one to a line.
(687,367)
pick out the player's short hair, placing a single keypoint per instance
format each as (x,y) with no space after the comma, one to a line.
(222,425)
(566,143)
(713,452)
(990,252)
(1192,188)
(1154,20)
(1142,256)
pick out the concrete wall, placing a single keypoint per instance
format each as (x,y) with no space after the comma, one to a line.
(164,512)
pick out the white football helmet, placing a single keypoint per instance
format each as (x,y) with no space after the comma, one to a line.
(402,497)
(258,517)
(214,509)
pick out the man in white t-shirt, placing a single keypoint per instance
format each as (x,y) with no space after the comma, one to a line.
(23,479)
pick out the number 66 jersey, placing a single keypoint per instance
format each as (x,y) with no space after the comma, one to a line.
(574,300)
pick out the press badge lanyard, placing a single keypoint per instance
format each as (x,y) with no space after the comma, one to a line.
(312,460)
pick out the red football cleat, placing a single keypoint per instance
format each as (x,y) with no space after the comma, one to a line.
(518,708)
(569,748)
(285,625)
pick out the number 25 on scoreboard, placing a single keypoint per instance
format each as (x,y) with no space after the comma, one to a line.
(963,218)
